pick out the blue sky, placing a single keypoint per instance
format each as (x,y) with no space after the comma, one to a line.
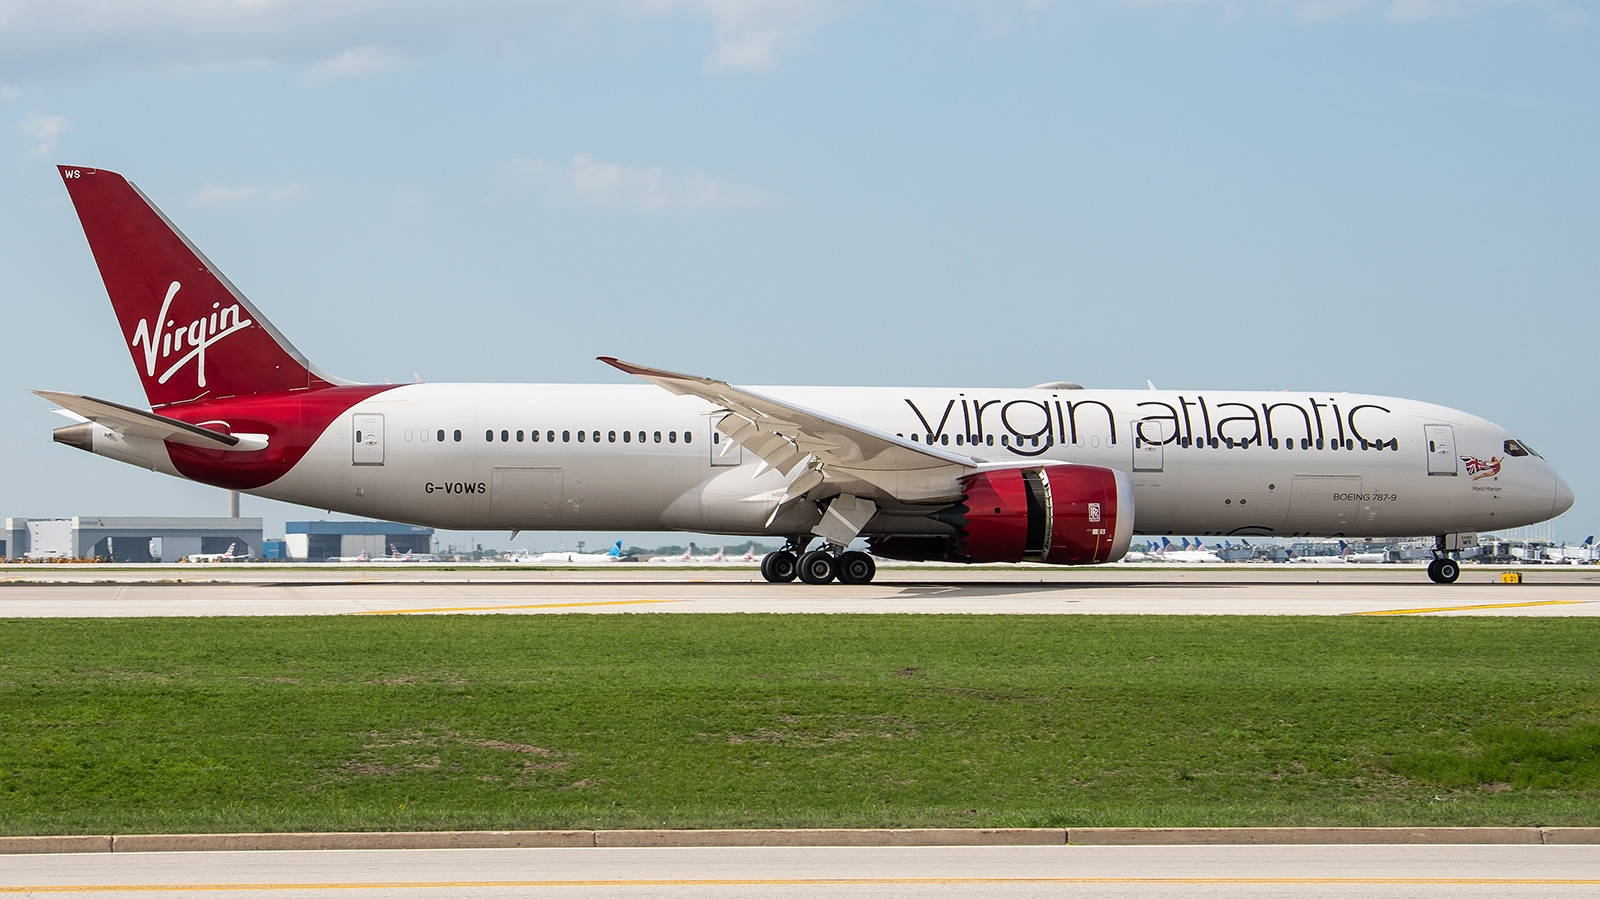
(1386,196)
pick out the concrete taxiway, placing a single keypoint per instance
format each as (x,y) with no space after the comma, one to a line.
(1159,871)
(135,591)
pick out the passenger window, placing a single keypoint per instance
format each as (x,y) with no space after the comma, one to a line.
(672,436)
(1273,443)
(960,440)
(627,436)
(533,436)
(358,436)
(687,437)
(641,436)
(457,435)
(988,439)
(519,436)
(488,436)
(505,436)
(611,436)
(441,435)
(550,436)
(566,436)
(658,436)
(580,436)
(596,436)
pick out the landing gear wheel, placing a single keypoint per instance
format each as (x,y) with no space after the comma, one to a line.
(856,568)
(818,567)
(779,567)
(1444,571)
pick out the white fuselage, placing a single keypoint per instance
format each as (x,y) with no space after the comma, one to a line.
(647,460)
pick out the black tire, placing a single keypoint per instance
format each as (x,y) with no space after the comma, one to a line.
(779,567)
(1433,571)
(818,567)
(1448,571)
(856,568)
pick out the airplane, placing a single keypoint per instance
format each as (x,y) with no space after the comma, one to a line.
(1057,474)
(614,554)
(1195,552)
(395,555)
(218,557)
(1349,554)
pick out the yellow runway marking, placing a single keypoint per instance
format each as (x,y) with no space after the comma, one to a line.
(799,881)
(543,605)
(1497,605)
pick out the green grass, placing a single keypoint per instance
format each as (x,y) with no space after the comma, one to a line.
(245,724)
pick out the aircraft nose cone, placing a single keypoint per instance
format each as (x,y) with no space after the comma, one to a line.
(1563,498)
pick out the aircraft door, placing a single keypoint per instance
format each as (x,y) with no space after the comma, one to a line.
(367,439)
(1441,449)
(1150,438)
(723,451)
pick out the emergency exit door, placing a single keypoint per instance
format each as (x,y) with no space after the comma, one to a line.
(1441,445)
(367,439)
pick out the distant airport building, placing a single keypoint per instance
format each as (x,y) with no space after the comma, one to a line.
(320,541)
(130,539)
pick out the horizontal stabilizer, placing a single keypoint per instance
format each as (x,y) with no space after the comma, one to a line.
(138,423)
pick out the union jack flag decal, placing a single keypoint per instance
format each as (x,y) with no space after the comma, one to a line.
(1479,469)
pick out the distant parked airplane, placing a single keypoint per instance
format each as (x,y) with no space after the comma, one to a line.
(562,557)
(218,557)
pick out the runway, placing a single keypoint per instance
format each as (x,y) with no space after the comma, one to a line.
(1120,871)
(139,591)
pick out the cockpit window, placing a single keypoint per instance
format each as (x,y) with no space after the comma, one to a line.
(1518,448)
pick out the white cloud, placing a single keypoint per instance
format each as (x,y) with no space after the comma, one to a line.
(213,195)
(44,131)
(1418,10)
(329,39)
(588,181)
(1326,10)
(357,63)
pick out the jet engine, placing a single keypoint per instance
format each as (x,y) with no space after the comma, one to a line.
(1059,513)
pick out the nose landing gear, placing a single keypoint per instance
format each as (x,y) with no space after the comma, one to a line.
(1444,569)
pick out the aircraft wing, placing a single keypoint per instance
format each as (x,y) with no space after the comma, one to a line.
(138,423)
(857,458)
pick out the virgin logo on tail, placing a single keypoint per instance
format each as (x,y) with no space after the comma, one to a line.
(188,340)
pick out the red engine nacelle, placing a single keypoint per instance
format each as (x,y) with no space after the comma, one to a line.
(1060,513)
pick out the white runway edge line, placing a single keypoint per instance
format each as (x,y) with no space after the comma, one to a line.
(577,839)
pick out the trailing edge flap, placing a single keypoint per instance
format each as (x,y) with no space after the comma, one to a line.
(782,434)
(138,423)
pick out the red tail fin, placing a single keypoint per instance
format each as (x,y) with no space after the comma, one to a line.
(191,333)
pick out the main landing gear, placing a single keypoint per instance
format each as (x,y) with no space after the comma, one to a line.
(819,566)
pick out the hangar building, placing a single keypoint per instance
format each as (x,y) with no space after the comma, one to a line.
(130,539)
(319,541)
